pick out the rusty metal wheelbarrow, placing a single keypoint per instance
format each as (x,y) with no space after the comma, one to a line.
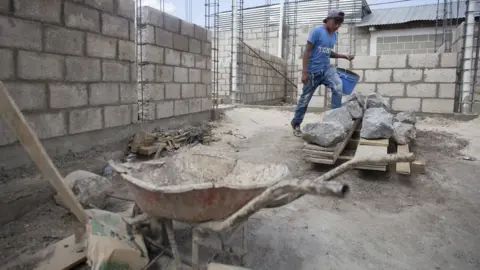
(219,194)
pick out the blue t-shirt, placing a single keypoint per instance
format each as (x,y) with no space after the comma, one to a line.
(322,46)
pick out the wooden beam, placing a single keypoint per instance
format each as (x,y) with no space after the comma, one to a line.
(17,122)
(418,166)
(61,255)
(379,142)
(403,167)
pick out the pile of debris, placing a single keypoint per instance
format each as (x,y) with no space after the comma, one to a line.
(149,143)
(378,122)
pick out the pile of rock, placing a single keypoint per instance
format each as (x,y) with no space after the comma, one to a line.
(378,122)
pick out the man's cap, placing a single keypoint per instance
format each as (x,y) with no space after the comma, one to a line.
(334,14)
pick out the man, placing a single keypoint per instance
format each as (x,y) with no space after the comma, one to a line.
(316,66)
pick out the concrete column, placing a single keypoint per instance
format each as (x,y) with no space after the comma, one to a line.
(234,49)
(280,28)
(467,89)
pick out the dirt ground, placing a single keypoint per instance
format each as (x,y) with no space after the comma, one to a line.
(426,221)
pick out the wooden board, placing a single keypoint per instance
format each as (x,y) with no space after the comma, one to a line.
(216,266)
(403,167)
(418,166)
(368,151)
(379,142)
(61,255)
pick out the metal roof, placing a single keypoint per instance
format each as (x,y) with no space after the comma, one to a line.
(309,12)
(413,13)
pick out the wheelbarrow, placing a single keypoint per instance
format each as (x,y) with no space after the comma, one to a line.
(219,194)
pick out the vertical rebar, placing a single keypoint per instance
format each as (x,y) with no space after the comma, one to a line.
(240,53)
(266,26)
(476,59)
(436,26)
(212,25)
(467,91)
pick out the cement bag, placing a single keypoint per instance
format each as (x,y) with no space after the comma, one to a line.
(112,244)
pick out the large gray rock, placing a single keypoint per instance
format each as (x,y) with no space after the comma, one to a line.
(339,115)
(404,133)
(407,117)
(377,101)
(324,134)
(354,108)
(89,188)
(357,97)
(377,124)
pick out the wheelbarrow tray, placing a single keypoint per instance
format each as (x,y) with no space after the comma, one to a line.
(197,187)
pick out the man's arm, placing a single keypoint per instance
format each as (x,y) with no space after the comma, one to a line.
(306,55)
(342,56)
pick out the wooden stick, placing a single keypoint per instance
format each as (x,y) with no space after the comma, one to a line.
(17,122)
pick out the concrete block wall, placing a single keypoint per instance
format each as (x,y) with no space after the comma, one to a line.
(408,44)
(68,64)
(224,62)
(419,82)
(174,69)
(262,83)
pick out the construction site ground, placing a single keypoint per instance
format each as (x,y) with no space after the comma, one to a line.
(388,221)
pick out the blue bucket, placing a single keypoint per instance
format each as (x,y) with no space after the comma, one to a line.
(349,80)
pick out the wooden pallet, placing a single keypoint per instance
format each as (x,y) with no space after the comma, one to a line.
(328,155)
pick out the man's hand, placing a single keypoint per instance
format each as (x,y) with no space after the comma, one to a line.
(304,77)
(348,57)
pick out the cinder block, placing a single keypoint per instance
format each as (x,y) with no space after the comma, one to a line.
(147,35)
(20,34)
(449,60)
(118,115)
(446,90)
(106,5)
(447,75)
(154,91)
(181,74)
(193,76)
(188,90)
(133,72)
(206,76)
(172,91)
(365,88)
(206,48)
(180,42)
(151,16)
(104,93)
(164,109)
(114,26)
(62,40)
(126,8)
(405,104)
(163,38)
(200,90)
(421,90)
(365,62)
(164,73)
(172,57)
(207,104)
(195,46)
(188,59)
(132,31)
(146,73)
(200,33)
(126,50)
(200,61)
(128,93)
(40,66)
(101,46)
(43,10)
(80,69)
(116,71)
(180,107)
(151,54)
(171,23)
(392,61)
(407,75)
(429,60)
(48,125)
(147,111)
(135,114)
(437,105)
(80,17)
(391,89)
(67,95)
(6,134)
(28,96)
(82,120)
(187,29)
(6,64)
(195,105)
(378,75)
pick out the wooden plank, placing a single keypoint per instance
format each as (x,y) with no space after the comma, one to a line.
(403,167)
(368,151)
(318,147)
(352,144)
(17,122)
(418,166)
(342,146)
(216,266)
(371,168)
(321,161)
(61,255)
(317,153)
(379,142)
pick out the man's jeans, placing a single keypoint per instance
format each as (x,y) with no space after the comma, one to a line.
(330,79)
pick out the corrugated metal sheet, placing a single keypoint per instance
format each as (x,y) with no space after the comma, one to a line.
(308,13)
(412,14)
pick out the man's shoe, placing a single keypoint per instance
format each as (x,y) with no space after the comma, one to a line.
(296,130)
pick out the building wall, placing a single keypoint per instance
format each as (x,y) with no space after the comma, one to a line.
(174,66)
